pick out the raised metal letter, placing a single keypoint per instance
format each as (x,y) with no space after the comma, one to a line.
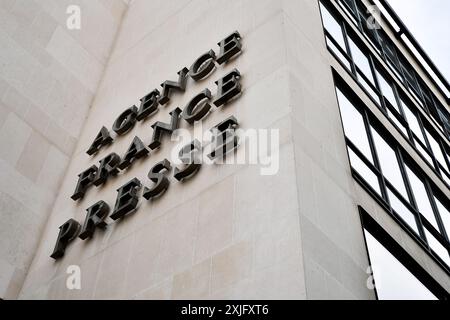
(108,166)
(225,139)
(189,155)
(85,179)
(168,86)
(203,66)
(228,88)
(195,110)
(125,121)
(67,232)
(136,150)
(160,127)
(160,180)
(95,217)
(229,47)
(103,138)
(127,199)
(149,105)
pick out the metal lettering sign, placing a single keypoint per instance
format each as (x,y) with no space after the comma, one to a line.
(128,195)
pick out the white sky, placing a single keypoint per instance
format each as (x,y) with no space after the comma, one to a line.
(429,22)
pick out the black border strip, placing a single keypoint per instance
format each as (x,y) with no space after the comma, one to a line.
(369,224)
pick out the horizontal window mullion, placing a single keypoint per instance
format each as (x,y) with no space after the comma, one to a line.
(363,158)
(337,45)
(414,87)
(436,234)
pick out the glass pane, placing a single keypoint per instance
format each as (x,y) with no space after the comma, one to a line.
(351,5)
(389,164)
(369,89)
(395,70)
(421,196)
(332,26)
(413,122)
(339,55)
(418,100)
(361,60)
(397,122)
(445,176)
(445,215)
(403,211)
(437,151)
(350,9)
(354,125)
(437,247)
(393,280)
(387,91)
(364,171)
(423,153)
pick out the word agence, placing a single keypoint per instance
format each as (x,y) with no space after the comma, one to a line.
(228,88)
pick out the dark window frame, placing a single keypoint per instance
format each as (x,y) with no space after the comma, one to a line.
(370,225)
(404,159)
(402,63)
(383,104)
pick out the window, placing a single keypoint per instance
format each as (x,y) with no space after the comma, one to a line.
(361,60)
(402,211)
(444,213)
(397,63)
(413,122)
(396,274)
(393,281)
(421,197)
(354,125)
(397,108)
(389,163)
(338,53)
(364,171)
(437,151)
(387,91)
(387,172)
(363,69)
(332,26)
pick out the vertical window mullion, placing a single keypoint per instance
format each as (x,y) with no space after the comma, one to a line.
(445,154)
(428,144)
(410,192)
(347,48)
(376,159)
(377,82)
(435,209)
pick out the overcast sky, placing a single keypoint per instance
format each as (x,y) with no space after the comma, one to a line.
(429,22)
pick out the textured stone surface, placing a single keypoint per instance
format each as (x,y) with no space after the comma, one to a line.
(48,77)
(229,232)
